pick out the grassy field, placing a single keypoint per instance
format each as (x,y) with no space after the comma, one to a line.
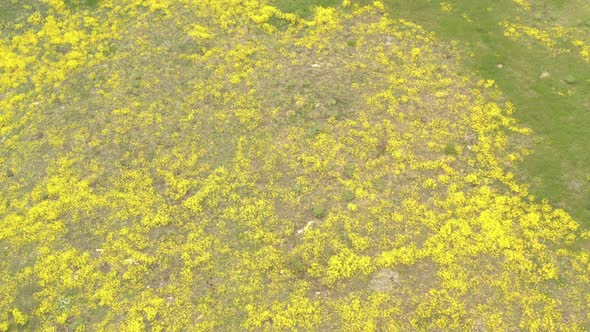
(230,165)
(559,169)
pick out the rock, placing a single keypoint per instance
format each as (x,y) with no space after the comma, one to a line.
(544,75)
(385,280)
(309,223)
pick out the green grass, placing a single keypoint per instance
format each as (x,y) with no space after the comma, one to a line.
(13,11)
(304,7)
(559,168)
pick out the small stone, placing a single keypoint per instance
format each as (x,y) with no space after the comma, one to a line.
(500,66)
(309,223)
(544,75)
(385,280)
(315,65)
(129,261)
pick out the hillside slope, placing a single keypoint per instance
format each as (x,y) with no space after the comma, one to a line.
(223,165)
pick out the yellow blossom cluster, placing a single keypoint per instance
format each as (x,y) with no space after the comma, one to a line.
(556,38)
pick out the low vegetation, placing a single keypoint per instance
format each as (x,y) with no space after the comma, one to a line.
(228,165)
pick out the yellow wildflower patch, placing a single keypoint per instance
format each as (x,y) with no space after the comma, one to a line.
(173,165)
